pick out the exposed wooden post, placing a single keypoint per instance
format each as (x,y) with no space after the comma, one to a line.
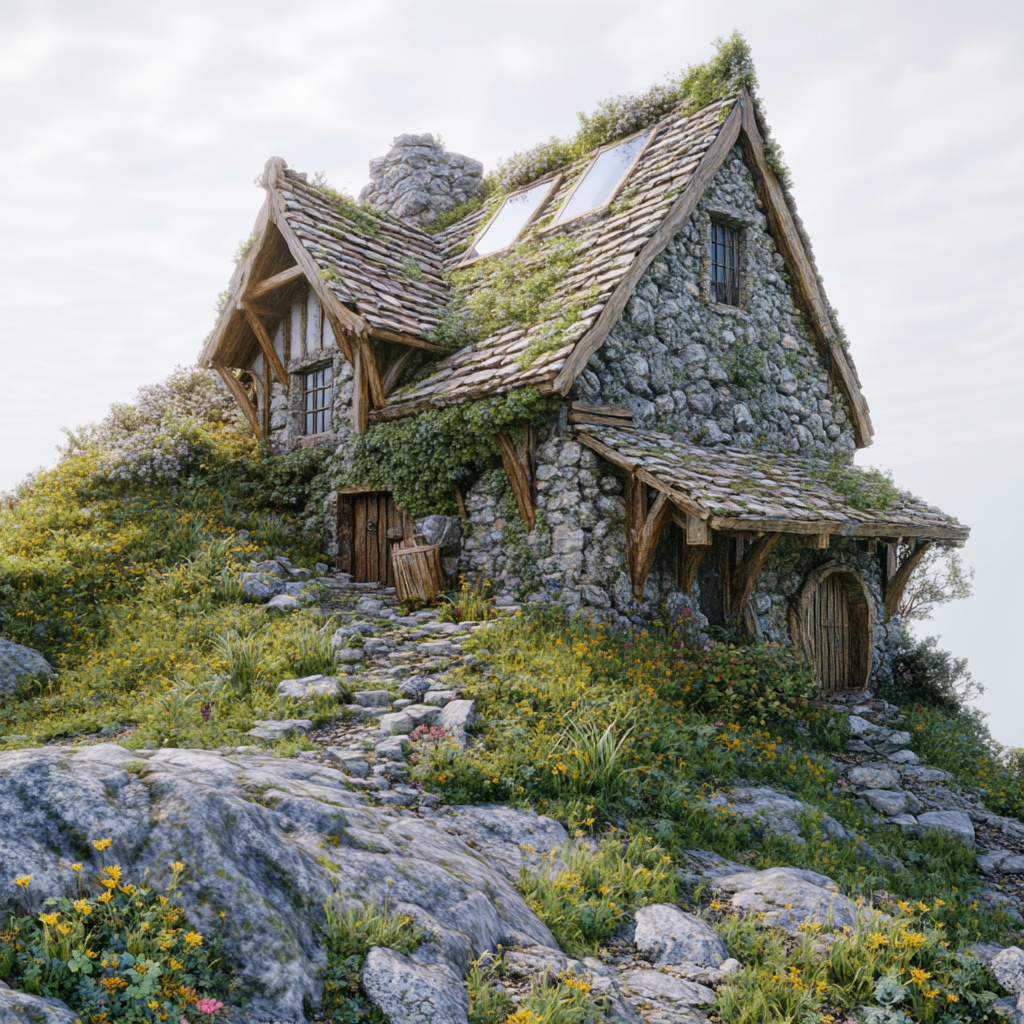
(396,369)
(460,502)
(898,582)
(266,344)
(360,392)
(239,394)
(269,284)
(368,364)
(643,531)
(744,576)
(695,536)
(518,468)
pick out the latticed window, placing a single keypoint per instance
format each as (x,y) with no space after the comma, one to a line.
(725,265)
(317,392)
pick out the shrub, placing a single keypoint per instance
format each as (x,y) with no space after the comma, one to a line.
(756,685)
(904,963)
(922,674)
(125,954)
(348,935)
(474,601)
(588,901)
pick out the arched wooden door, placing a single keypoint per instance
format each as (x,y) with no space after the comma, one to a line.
(835,627)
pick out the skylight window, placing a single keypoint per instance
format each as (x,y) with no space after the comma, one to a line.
(512,217)
(601,180)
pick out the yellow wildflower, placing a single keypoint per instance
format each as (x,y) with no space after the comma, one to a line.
(952,997)
(177,867)
(114,872)
(193,939)
(102,844)
(105,898)
(76,867)
(50,919)
(24,881)
(82,906)
(930,993)
(919,976)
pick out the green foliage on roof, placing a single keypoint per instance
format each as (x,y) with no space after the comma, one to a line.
(365,219)
(618,116)
(864,488)
(423,459)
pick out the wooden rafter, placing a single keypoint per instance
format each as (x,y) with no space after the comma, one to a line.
(519,468)
(600,415)
(643,531)
(272,283)
(744,576)
(240,395)
(266,345)
(396,369)
(410,340)
(897,583)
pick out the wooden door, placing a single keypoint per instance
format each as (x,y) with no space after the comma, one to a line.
(368,525)
(836,628)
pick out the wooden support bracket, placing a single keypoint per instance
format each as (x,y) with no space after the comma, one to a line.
(744,576)
(396,369)
(266,345)
(240,395)
(643,531)
(897,583)
(277,281)
(518,463)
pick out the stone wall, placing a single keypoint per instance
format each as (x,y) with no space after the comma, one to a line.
(748,375)
(419,179)
(287,415)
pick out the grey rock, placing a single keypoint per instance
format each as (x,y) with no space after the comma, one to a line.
(288,729)
(706,864)
(889,741)
(457,716)
(887,801)
(922,773)
(904,757)
(308,686)
(956,823)
(260,585)
(396,723)
(413,993)
(23,1008)
(1008,968)
(348,655)
(369,604)
(1000,862)
(789,896)
(284,603)
(439,698)
(443,531)
(18,662)
(861,727)
(779,813)
(374,647)
(372,698)
(394,748)
(641,987)
(666,935)
(907,822)
(422,714)
(873,777)
(272,567)
(351,762)
(264,865)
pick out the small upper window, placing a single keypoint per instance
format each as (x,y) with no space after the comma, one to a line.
(725,265)
(515,213)
(601,180)
(317,393)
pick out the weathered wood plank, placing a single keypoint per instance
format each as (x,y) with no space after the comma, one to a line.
(267,346)
(278,280)
(744,576)
(409,340)
(518,476)
(239,394)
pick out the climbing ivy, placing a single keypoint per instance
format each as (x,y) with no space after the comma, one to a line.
(423,459)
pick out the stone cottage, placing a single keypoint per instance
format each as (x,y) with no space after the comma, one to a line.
(698,458)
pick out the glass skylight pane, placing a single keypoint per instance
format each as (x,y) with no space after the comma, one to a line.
(601,180)
(515,212)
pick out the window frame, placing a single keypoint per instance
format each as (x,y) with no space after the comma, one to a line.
(556,182)
(324,411)
(737,248)
(653,131)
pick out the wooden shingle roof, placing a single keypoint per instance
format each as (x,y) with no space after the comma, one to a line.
(743,489)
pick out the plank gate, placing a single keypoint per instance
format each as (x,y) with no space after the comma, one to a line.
(369,525)
(836,630)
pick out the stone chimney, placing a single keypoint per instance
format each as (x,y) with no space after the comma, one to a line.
(419,179)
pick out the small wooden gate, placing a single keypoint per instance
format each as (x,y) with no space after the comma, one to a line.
(834,624)
(368,525)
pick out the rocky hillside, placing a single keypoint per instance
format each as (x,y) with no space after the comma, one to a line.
(237,785)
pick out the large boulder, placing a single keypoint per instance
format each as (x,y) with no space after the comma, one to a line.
(269,841)
(414,993)
(666,935)
(444,531)
(17,663)
(22,1008)
(789,896)
(776,812)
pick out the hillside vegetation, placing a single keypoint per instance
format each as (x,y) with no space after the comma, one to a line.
(121,566)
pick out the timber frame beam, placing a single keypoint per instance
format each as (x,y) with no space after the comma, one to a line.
(897,583)
(240,395)
(643,531)
(518,461)
(744,576)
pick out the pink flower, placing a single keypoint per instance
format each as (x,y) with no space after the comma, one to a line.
(719,723)
(183,1021)
(209,1005)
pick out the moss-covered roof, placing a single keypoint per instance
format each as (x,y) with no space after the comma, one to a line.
(744,489)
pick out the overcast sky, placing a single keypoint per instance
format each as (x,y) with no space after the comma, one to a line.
(133,131)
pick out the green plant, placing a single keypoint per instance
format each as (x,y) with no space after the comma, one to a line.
(125,954)
(487,1003)
(562,1000)
(243,250)
(243,657)
(453,216)
(413,269)
(591,760)
(474,601)
(745,363)
(424,458)
(921,674)
(863,488)
(902,964)
(757,684)
(363,218)
(588,901)
(315,654)
(349,933)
